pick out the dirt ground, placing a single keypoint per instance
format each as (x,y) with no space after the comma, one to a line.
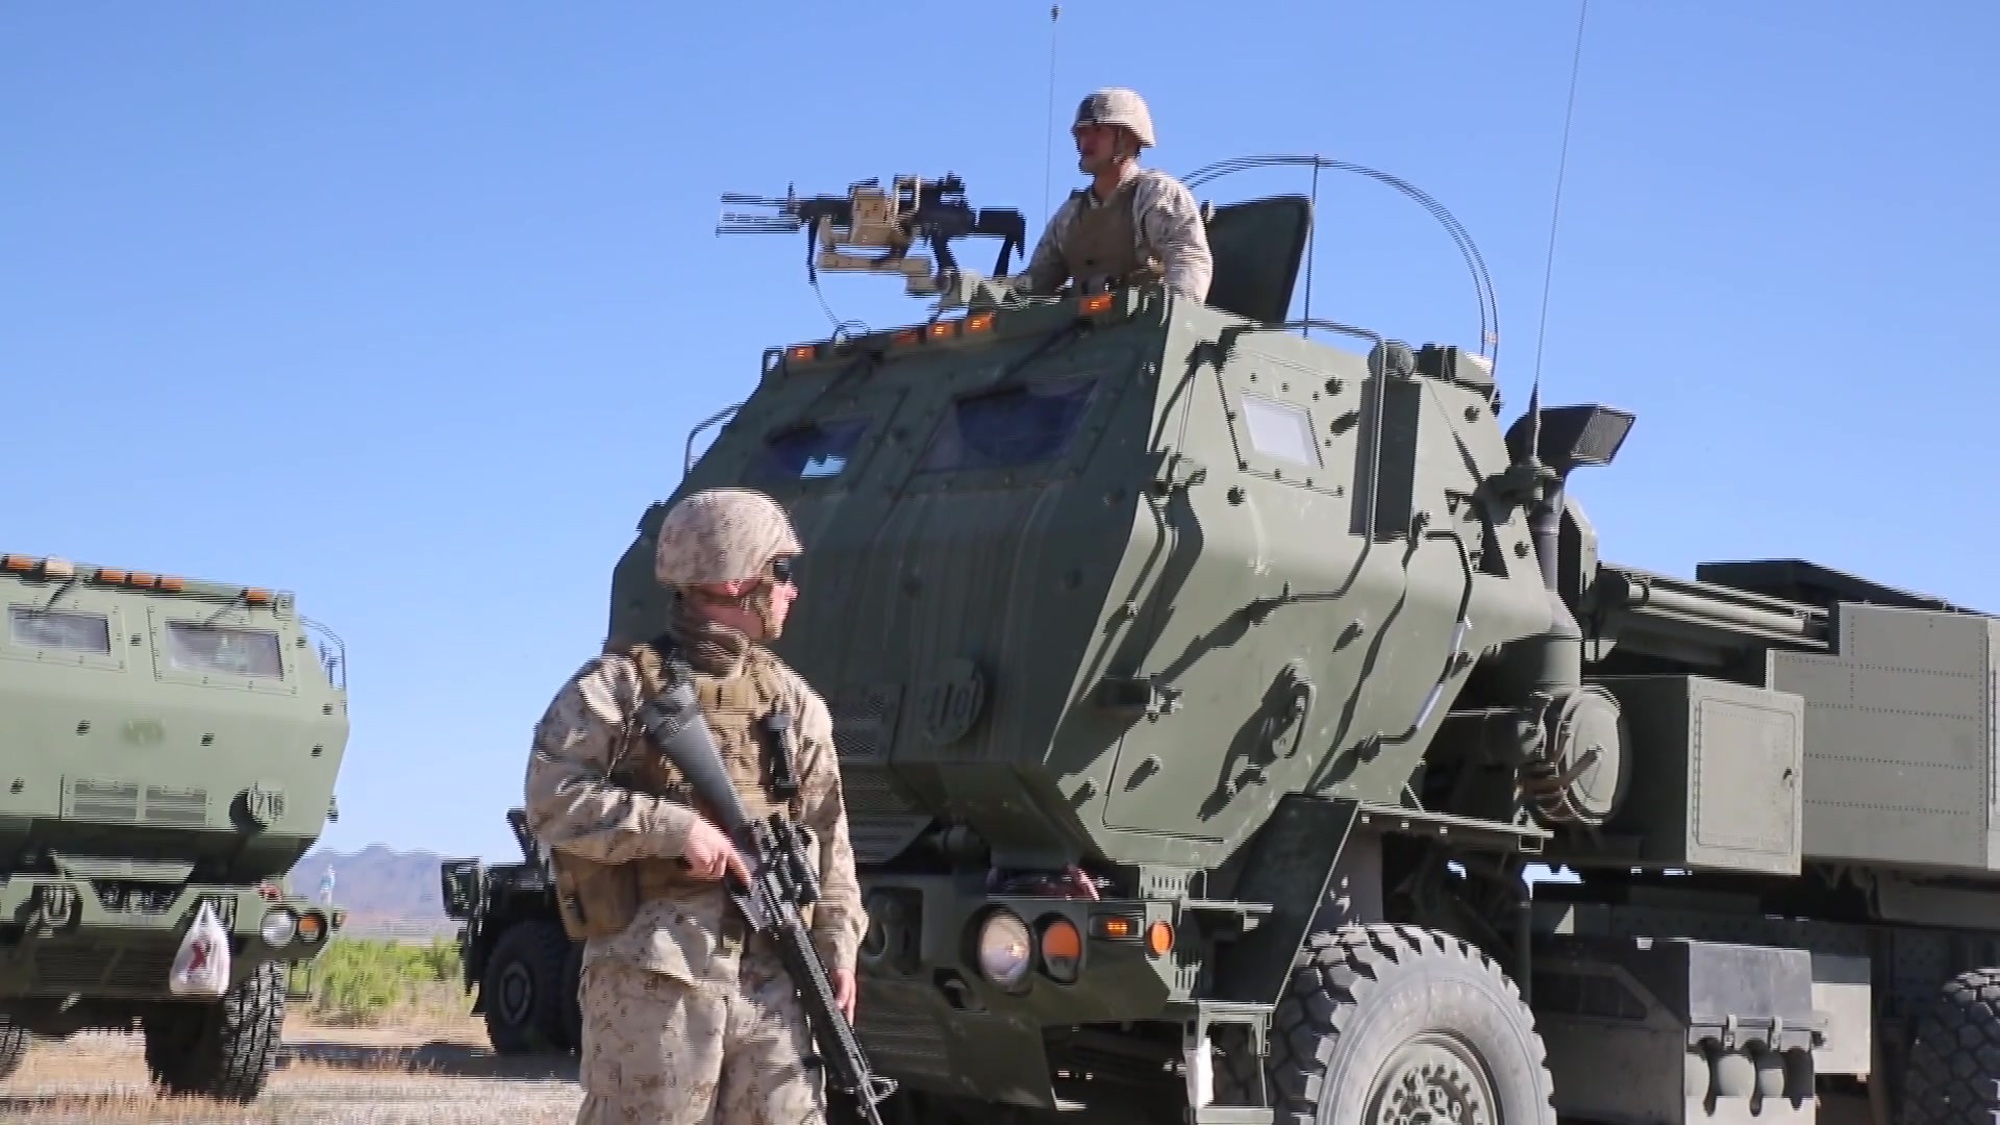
(439,1070)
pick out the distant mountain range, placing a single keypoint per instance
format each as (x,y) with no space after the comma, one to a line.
(386,893)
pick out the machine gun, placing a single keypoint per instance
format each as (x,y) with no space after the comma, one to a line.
(934,211)
(782,882)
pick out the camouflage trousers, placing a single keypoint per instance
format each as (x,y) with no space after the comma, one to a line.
(659,1051)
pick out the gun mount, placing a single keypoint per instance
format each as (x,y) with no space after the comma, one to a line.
(913,209)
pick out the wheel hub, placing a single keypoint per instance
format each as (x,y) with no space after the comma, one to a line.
(516,992)
(1433,1079)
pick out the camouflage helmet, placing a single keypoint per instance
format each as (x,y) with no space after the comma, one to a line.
(719,535)
(1115,105)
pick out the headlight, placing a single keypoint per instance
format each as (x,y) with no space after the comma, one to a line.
(1004,948)
(279,926)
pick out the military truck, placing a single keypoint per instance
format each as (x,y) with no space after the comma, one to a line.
(519,965)
(165,743)
(1206,682)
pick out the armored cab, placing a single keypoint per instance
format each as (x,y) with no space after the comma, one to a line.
(165,744)
(1205,685)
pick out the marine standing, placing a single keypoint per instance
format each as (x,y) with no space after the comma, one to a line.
(683,1019)
(1131,224)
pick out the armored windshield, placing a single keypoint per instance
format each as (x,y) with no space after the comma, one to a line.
(71,632)
(232,652)
(1028,422)
(808,451)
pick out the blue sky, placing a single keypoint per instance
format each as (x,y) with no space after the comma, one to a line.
(409,308)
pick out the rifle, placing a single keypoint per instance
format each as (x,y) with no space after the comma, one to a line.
(934,211)
(781,884)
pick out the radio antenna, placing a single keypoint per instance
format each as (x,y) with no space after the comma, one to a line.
(1555,213)
(1049,126)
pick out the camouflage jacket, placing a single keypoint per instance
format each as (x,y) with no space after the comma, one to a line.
(573,806)
(1165,220)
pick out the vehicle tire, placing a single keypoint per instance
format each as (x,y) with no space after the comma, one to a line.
(224,1049)
(1382,1020)
(1954,1062)
(13,1047)
(522,992)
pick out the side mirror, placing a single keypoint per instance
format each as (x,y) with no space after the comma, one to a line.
(459,880)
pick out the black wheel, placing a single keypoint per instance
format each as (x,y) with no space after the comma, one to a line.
(523,990)
(1387,1023)
(1950,1073)
(13,1046)
(224,1049)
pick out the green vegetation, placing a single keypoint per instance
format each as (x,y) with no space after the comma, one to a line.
(371,980)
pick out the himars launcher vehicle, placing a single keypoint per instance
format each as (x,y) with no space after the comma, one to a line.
(164,743)
(1203,690)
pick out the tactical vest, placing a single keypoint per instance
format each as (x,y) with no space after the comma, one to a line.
(1099,246)
(598,899)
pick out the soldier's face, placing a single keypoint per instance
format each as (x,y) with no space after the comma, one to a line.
(1096,146)
(756,607)
(776,604)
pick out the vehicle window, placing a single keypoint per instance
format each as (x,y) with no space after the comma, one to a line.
(813,451)
(1280,429)
(1016,425)
(75,632)
(213,648)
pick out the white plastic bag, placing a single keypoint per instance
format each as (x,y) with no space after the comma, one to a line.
(201,967)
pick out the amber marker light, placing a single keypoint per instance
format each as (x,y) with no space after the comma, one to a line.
(1116,928)
(1160,938)
(1096,303)
(1062,949)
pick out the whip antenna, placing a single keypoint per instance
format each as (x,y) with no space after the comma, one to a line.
(1049,125)
(1549,264)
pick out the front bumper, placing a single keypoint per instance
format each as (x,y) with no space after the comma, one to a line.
(62,937)
(929,1018)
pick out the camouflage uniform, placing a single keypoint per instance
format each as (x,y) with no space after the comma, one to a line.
(1150,228)
(683,1020)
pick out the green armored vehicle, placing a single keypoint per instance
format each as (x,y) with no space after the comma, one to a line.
(165,743)
(1205,690)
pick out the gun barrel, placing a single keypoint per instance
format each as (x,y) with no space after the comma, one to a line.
(757,224)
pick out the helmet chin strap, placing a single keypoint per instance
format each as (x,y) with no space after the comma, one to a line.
(760,604)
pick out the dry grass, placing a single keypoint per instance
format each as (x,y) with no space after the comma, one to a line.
(388,1038)
(429,1005)
(425,1063)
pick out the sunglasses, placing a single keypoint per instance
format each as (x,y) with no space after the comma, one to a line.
(781,571)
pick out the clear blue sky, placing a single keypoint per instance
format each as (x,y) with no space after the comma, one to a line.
(409,308)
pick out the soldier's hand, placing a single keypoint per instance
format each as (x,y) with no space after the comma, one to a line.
(709,853)
(843,992)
